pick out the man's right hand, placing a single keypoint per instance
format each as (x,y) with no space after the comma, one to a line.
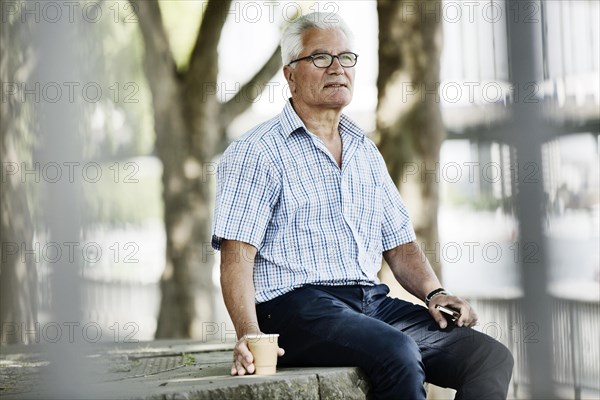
(243,361)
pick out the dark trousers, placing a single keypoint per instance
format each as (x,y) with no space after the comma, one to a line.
(396,343)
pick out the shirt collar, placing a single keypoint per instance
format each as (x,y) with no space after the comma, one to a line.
(291,122)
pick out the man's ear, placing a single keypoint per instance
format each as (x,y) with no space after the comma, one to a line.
(288,73)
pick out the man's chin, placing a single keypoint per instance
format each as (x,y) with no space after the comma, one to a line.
(337,100)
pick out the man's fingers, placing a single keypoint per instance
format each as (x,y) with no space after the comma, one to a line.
(467,316)
(464,320)
(280,352)
(239,368)
(243,361)
(243,350)
(244,364)
(474,318)
(438,317)
(250,368)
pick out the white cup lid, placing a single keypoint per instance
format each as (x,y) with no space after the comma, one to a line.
(262,335)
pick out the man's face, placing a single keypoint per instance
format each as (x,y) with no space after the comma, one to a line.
(325,88)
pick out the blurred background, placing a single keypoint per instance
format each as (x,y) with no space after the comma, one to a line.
(114,115)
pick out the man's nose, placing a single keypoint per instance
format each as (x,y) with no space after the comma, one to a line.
(335,67)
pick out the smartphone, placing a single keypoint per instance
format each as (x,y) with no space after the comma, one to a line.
(449,313)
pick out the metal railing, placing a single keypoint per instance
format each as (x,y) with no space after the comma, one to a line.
(575,332)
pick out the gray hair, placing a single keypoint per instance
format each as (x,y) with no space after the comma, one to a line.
(291,40)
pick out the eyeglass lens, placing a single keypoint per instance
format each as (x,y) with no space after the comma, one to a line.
(324,60)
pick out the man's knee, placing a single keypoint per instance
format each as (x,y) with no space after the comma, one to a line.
(497,357)
(489,374)
(399,352)
(504,357)
(398,371)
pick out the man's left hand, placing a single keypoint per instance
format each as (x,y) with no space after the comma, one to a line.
(468,317)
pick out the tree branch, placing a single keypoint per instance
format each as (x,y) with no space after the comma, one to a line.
(159,64)
(252,89)
(161,73)
(204,58)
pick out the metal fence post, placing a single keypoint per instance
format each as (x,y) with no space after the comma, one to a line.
(526,131)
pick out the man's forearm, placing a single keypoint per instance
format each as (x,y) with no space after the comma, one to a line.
(237,262)
(412,269)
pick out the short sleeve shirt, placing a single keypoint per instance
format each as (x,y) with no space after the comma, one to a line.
(312,222)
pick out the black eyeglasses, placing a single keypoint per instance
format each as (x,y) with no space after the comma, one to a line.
(324,60)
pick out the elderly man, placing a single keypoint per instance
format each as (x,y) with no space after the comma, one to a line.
(305,209)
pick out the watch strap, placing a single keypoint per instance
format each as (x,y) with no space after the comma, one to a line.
(434,293)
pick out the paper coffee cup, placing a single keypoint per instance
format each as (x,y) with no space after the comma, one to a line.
(264,349)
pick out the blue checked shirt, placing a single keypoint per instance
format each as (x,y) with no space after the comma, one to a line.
(312,222)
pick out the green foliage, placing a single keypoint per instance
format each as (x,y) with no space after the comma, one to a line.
(480,202)
(188,359)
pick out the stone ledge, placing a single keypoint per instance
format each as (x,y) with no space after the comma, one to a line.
(175,370)
(304,383)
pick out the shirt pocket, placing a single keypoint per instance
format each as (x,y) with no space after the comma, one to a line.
(369,198)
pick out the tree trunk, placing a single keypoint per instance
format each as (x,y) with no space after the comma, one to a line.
(18,274)
(190,127)
(409,123)
(182,272)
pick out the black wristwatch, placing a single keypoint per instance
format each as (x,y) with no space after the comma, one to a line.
(434,293)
